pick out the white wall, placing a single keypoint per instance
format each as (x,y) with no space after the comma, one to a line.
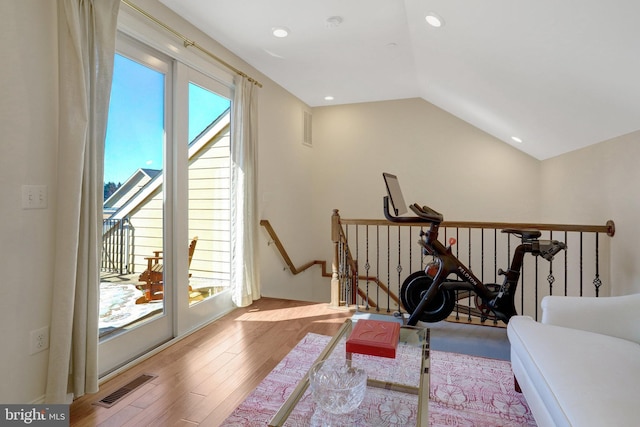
(440,160)
(286,197)
(456,169)
(592,185)
(28,150)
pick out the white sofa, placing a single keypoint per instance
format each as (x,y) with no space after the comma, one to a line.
(580,366)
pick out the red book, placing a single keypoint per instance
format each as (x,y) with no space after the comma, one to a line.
(374,337)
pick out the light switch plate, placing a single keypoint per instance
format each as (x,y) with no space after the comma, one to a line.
(34,197)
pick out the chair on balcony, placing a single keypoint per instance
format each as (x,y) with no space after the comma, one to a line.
(151,280)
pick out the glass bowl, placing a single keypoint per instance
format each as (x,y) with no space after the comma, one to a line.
(337,386)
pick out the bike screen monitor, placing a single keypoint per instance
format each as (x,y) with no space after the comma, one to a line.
(395,194)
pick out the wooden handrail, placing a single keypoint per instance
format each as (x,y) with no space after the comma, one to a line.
(339,227)
(609,228)
(336,236)
(295,270)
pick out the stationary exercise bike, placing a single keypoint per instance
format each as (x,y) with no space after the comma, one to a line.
(429,295)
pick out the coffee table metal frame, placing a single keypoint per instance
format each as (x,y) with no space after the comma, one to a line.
(406,334)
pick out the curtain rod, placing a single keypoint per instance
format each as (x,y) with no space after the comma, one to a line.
(188,42)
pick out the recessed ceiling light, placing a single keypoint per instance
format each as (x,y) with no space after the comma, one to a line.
(280,32)
(328,98)
(434,20)
(516,139)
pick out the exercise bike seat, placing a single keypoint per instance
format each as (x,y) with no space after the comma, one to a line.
(523,233)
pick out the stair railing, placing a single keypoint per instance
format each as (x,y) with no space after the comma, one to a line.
(372,257)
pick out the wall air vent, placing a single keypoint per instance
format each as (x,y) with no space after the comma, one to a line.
(306,128)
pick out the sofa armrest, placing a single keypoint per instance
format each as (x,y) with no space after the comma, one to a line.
(615,316)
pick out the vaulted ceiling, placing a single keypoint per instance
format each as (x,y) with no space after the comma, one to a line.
(559,75)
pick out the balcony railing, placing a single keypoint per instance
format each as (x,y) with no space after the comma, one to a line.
(373,257)
(117,243)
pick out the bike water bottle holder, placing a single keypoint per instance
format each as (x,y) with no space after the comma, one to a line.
(432,269)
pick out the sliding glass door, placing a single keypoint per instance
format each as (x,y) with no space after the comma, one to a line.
(204,132)
(134,310)
(166,229)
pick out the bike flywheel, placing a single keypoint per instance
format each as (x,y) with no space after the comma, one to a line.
(415,287)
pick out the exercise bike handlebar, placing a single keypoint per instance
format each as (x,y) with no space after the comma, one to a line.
(425,214)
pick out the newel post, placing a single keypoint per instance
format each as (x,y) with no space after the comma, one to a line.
(335,263)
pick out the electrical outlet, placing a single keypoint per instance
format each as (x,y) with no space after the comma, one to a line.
(39,340)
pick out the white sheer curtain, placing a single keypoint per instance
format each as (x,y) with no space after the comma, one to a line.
(86,37)
(245,284)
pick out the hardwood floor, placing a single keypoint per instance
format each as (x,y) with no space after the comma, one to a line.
(203,378)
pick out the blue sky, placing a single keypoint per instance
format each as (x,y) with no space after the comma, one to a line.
(135,129)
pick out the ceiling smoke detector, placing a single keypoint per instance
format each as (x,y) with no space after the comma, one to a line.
(333,22)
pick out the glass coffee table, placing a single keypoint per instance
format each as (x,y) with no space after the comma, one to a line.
(397,389)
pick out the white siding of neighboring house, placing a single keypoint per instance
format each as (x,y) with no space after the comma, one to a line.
(210,210)
(209,214)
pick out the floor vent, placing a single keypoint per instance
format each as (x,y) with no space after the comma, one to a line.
(115,397)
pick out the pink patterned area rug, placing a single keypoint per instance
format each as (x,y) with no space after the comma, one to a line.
(465,391)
